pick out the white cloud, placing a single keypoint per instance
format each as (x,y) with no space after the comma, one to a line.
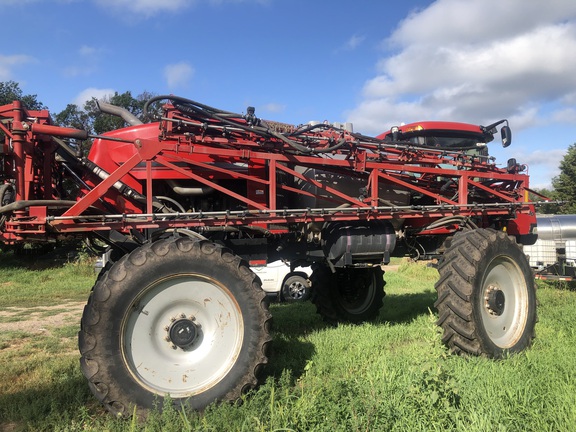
(543,166)
(219,2)
(178,74)
(76,71)
(475,21)
(274,107)
(88,51)
(549,158)
(91,92)
(474,61)
(569,99)
(16,2)
(23,3)
(526,116)
(7,63)
(145,8)
(566,115)
(87,64)
(354,42)
(149,8)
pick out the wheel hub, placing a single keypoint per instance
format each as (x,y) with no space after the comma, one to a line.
(182,332)
(296,290)
(494,300)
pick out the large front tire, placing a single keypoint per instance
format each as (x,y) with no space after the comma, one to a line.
(486,295)
(178,317)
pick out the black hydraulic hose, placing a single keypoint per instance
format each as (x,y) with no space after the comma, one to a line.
(303,149)
(184,101)
(6,193)
(191,107)
(267,132)
(336,146)
(448,220)
(207,112)
(402,145)
(309,128)
(19,205)
(366,138)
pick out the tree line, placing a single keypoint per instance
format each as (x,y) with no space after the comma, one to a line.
(89,118)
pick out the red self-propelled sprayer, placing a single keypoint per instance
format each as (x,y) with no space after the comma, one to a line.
(187,202)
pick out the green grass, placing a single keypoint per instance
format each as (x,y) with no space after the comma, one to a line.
(32,281)
(391,374)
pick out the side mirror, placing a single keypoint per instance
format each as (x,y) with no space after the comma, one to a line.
(506,134)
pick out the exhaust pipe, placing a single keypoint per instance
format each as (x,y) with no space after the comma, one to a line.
(190,191)
(126,115)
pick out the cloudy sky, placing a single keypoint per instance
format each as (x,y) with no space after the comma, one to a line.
(375,63)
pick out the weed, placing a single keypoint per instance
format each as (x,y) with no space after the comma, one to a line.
(435,392)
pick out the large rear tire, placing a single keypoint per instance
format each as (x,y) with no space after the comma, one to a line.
(351,295)
(486,295)
(177,317)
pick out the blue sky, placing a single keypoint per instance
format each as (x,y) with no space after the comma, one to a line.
(374,63)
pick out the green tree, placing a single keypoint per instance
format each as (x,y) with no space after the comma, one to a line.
(73,117)
(11,91)
(105,122)
(565,183)
(90,118)
(542,195)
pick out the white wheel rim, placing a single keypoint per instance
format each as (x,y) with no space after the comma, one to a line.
(505,326)
(152,357)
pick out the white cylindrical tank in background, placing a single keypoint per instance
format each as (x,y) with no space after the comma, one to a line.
(556,227)
(554,231)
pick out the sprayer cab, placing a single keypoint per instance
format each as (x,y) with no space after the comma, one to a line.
(453,136)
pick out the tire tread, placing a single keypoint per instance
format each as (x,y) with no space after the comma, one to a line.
(107,290)
(459,269)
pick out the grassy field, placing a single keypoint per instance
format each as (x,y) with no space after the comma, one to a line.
(392,374)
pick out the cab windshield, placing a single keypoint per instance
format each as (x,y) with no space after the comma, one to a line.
(472,144)
(447,142)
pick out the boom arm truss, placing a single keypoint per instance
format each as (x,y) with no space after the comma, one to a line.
(396,180)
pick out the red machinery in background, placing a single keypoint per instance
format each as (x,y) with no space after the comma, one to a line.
(187,202)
